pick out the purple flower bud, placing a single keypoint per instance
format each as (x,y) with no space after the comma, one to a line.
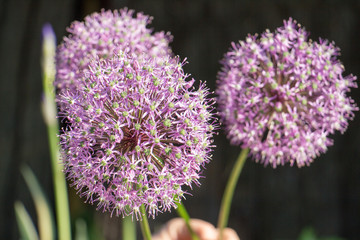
(282,95)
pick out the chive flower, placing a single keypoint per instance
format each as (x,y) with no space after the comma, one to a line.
(139,133)
(281,95)
(98,35)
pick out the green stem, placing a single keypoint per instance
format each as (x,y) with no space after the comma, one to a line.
(61,196)
(49,112)
(229,190)
(144,224)
(181,210)
(128,228)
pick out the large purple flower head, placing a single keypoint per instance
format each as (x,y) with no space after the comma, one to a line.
(98,35)
(139,132)
(281,95)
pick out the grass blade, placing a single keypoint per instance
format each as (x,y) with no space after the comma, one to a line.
(25,224)
(81,230)
(43,210)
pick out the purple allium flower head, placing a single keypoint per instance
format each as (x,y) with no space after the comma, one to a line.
(98,35)
(281,95)
(138,133)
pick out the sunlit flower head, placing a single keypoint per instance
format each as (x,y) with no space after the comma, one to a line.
(139,133)
(282,95)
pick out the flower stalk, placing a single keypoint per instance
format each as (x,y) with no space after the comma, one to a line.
(49,112)
(229,191)
(128,228)
(144,224)
(182,212)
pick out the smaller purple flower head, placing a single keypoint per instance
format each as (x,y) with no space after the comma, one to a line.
(98,35)
(139,133)
(282,95)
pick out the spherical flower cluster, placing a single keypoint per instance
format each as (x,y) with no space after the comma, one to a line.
(138,134)
(281,95)
(98,35)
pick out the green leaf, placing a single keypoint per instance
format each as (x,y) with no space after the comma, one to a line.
(25,224)
(45,219)
(81,230)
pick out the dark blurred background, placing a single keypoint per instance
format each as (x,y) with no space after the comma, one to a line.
(268,203)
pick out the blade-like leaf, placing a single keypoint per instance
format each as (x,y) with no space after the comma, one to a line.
(45,218)
(81,230)
(25,224)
